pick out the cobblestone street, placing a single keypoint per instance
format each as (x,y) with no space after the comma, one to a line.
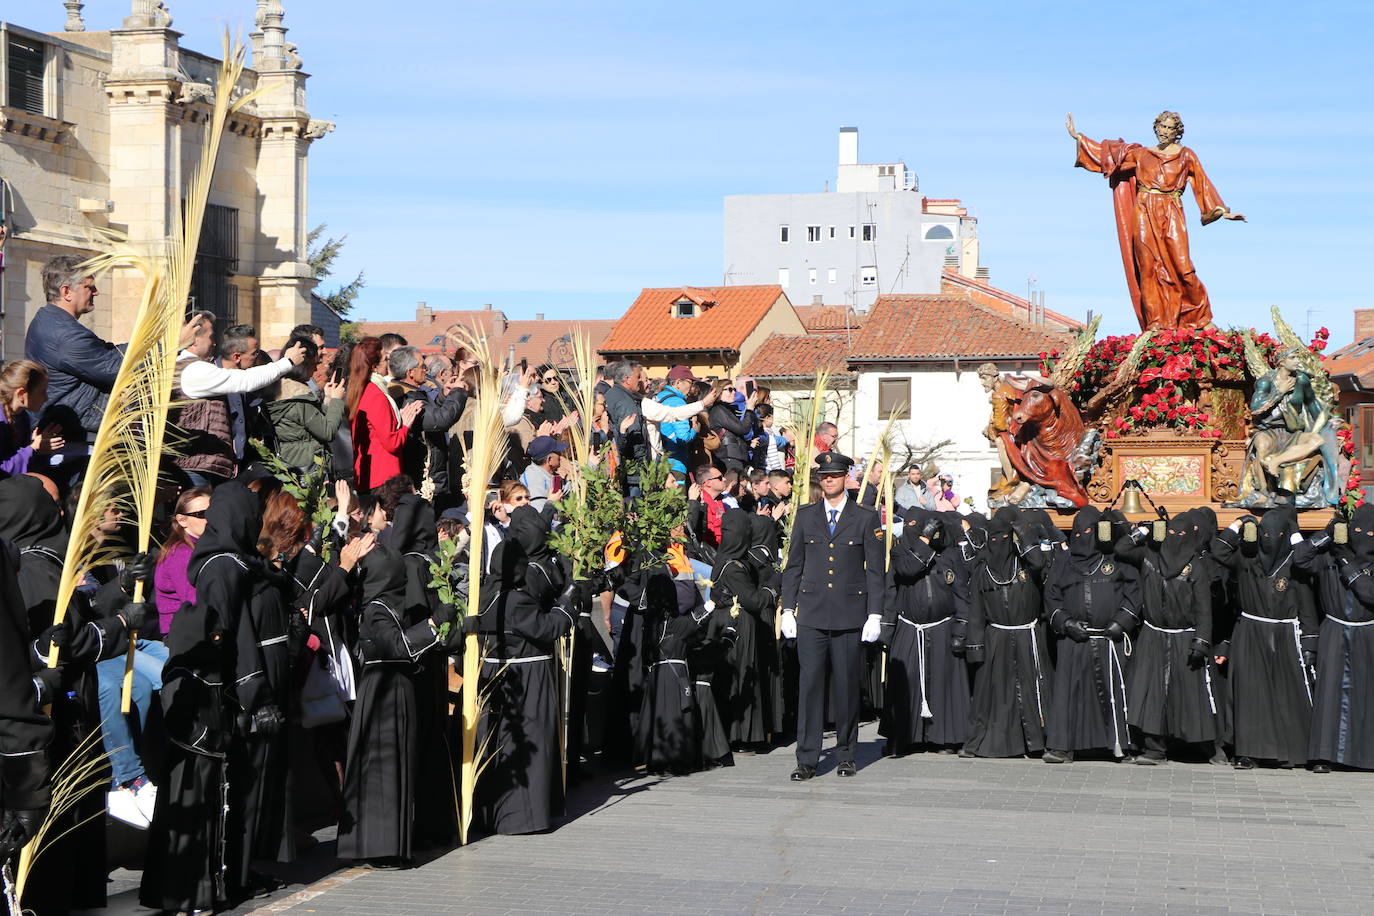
(924,834)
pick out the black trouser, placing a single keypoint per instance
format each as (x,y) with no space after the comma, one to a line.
(841,651)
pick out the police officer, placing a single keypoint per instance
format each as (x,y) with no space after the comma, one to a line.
(832,590)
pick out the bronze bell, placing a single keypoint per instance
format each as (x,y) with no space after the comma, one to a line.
(1104,530)
(1341,533)
(1130,500)
(1288,478)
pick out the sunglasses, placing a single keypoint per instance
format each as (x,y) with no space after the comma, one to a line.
(199,513)
(548,379)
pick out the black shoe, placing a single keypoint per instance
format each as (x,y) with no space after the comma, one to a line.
(803,773)
(847,768)
(1052,756)
(947,751)
(966,753)
(1321,768)
(1145,760)
(1244,763)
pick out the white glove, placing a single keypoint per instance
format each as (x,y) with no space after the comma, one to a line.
(873,628)
(789,625)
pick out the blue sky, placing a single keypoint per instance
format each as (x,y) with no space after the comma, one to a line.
(556,157)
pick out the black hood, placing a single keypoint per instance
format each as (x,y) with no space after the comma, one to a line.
(232,525)
(1182,542)
(734,538)
(763,541)
(413,527)
(977,533)
(954,529)
(509,563)
(1275,531)
(384,577)
(29,517)
(530,528)
(1362,534)
(1083,544)
(1001,546)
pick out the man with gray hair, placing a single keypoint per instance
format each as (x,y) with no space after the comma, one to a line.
(425,457)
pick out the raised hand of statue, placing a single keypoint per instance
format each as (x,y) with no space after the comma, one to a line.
(1238,217)
(1068,123)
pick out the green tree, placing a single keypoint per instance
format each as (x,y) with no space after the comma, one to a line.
(321,257)
(349,332)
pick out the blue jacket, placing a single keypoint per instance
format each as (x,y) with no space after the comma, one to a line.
(677,434)
(81,370)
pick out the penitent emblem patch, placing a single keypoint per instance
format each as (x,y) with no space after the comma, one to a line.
(949,577)
(878,533)
(1108,569)
(1021,574)
(1281,584)
(1183,574)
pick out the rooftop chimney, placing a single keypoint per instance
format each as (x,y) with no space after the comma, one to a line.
(538,316)
(423,313)
(817,300)
(849,146)
(1364,324)
(486,307)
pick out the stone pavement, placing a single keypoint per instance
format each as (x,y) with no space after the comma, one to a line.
(924,834)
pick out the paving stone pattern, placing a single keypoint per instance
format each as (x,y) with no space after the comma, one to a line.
(923,834)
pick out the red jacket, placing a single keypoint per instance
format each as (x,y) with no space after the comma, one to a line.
(378,438)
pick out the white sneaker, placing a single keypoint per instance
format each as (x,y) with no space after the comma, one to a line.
(146,798)
(123,804)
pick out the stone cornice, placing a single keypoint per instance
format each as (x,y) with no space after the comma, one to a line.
(20,123)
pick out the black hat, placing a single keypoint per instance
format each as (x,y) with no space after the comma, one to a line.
(833,463)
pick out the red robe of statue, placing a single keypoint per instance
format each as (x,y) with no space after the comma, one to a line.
(1147,193)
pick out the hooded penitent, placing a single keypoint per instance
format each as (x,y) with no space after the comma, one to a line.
(232,525)
(1083,545)
(413,527)
(1000,551)
(1275,532)
(734,539)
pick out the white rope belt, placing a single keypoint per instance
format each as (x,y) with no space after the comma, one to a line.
(920,629)
(1351,623)
(1206,669)
(1297,641)
(1168,630)
(1035,655)
(517,661)
(272,642)
(668,661)
(1116,681)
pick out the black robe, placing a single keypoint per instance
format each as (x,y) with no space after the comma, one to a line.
(25,731)
(233,581)
(1089,585)
(926,700)
(185,867)
(71,873)
(1271,696)
(436,816)
(1168,696)
(741,589)
(1343,698)
(1012,692)
(522,619)
(381,769)
(670,736)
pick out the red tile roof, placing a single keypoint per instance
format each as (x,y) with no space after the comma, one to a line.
(726,315)
(536,341)
(799,356)
(947,327)
(1356,359)
(822,319)
(954,283)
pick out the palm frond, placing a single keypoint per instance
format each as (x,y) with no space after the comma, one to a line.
(805,454)
(1068,365)
(1322,385)
(582,393)
(86,770)
(483,459)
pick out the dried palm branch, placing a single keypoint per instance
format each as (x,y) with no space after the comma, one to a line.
(1121,382)
(1068,365)
(805,454)
(483,460)
(582,394)
(123,470)
(1322,386)
(86,770)
(1255,362)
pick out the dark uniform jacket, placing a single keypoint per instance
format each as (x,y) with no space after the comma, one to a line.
(834,581)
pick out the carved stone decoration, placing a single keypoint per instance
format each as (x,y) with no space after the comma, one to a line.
(269,19)
(293,57)
(314,129)
(148,14)
(195,92)
(74,21)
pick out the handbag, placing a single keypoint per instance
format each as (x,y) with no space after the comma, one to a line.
(327,689)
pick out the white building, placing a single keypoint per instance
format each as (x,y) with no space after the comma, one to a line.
(874,234)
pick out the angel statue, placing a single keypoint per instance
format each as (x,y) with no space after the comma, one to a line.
(1147,194)
(1294,440)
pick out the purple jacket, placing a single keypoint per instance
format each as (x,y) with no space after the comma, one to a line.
(15,451)
(171,585)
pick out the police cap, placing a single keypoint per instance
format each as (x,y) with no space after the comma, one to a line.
(833,463)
